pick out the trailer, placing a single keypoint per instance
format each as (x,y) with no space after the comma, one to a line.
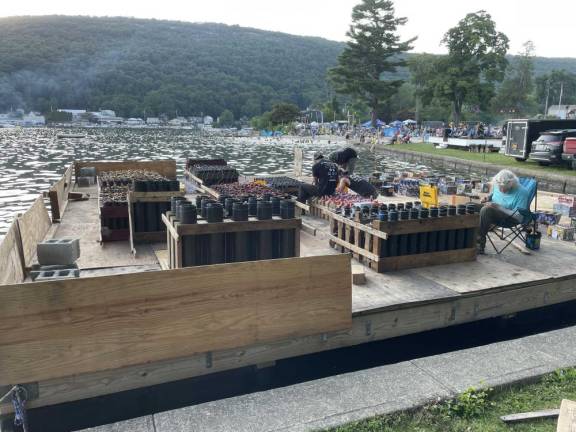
(520,134)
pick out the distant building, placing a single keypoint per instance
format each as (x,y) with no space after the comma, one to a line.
(76,114)
(134,121)
(33,119)
(178,121)
(208,120)
(106,113)
(563,111)
(153,121)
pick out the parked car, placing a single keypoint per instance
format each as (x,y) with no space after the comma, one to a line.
(569,152)
(547,149)
(519,134)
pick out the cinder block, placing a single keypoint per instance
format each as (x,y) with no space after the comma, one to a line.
(85,181)
(57,274)
(37,269)
(87,172)
(58,252)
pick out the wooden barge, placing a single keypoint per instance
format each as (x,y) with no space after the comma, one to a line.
(126,323)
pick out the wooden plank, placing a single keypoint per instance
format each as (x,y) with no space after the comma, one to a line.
(153,196)
(531,415)
(162,256)
(166,167)
(11,257)
(567,417)
(426,259)
(58,194)
(203,227)
(33,226)
(354,248)
(92,324)
(387,323)
(483,274)
(427,225)
(362,227)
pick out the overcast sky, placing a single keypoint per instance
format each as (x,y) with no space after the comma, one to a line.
(550,25)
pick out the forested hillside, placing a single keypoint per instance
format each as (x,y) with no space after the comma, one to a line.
(147,67)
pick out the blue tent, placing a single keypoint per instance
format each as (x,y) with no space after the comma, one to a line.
(379,124)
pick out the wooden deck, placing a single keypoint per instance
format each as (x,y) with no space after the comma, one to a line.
(388,305)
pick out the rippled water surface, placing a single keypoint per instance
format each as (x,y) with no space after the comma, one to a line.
(32,159)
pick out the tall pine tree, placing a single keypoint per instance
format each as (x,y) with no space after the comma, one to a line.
(366,66)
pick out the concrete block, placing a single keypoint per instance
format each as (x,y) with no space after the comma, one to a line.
(87,172)
(57,274)
(58,251)
(37,269)
(85,181)
(358,275)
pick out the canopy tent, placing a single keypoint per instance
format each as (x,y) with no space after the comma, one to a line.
(396,123)
(379,124)
(409,121)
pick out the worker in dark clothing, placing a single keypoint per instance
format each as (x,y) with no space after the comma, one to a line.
(359,185)
(346,160)
(325,175)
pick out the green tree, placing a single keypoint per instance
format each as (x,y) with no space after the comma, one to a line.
(515,96)
(422,69)
(367,65)
(284,113)
(476,60)
(226,119)
(551,85)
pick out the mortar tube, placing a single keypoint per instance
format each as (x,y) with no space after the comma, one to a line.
(423,237)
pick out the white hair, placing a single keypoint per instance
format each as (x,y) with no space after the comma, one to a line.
(505,178)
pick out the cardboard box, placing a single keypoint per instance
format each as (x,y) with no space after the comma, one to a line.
(561,232)
(564,209)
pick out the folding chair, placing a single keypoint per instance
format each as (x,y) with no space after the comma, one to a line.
(518,229)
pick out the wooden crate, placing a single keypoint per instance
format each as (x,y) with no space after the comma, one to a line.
(147,197)
(371,243)
(227,235)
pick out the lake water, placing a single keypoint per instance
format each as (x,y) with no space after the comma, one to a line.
(32,159)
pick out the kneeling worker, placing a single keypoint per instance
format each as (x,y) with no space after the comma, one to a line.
(325,175)
(506,198)
(346,159)
(357,184)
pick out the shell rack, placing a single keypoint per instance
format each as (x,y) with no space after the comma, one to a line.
(389,246)
(229,241)
(114,219)
(145,211)
(284,184)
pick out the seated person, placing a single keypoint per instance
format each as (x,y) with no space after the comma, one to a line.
(325,175)
(346,159)
(357,184)
(507,196)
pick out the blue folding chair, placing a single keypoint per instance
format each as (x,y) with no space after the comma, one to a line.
(518,229)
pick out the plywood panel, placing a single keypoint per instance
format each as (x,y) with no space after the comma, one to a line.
(11,258)
(58,194)
(57,329)
(166,167)
(484,274)
(567,416)
(33,226)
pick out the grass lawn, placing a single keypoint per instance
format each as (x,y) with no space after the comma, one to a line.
(494,158)
(480,411)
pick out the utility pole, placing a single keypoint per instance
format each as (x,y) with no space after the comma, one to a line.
(547,96)
(561,91)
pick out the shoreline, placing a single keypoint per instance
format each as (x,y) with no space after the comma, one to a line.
(546,181)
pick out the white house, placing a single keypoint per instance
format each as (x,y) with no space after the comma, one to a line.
(33,119)
(208,120)
(153,121)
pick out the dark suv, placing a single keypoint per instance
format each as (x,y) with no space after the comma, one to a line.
(547,149)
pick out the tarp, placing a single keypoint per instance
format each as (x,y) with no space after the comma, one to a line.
(368,124)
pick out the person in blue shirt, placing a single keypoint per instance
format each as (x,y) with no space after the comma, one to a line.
(507,196)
